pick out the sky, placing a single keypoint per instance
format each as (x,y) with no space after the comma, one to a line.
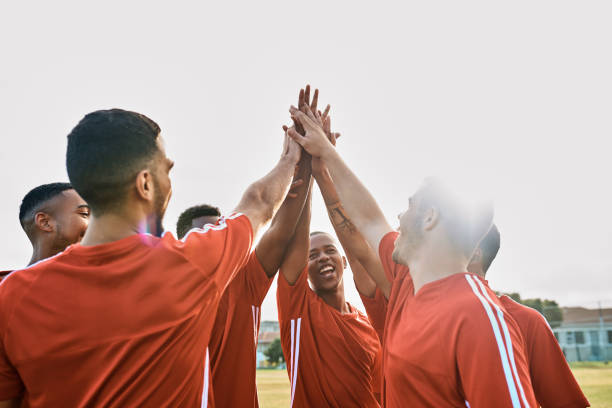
(512,96)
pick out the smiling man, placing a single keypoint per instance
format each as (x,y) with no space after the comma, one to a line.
(53,216)
(332,351)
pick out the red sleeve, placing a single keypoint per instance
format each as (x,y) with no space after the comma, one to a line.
(376,308)
(219,250)
(553,382)
(10,382)
(256,281)
(489,352)
(385,251)
(291,299)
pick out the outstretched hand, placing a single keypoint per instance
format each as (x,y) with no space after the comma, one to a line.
(291,149)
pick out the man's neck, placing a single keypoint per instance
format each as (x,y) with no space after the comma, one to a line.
(335,299)
(42,251)
(109,228)
(435,265)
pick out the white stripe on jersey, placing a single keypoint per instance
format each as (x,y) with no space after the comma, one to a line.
(297,357)
(500,344)
(500,316)
(206,376)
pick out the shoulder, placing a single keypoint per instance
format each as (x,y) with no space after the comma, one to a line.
(525,316)
(475,301)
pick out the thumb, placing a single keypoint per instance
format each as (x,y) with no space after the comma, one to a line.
(293,134)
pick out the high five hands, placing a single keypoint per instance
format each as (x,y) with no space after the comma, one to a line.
(312,129)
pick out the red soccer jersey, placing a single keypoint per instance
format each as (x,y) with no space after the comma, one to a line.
(554,384)
(333,359)
(376,309)
(120,324)
(233,342)
(451,344)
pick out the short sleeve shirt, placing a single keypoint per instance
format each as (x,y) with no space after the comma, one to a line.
(333,359)
(554,384)
(120,324)
(450,344)
(234,336)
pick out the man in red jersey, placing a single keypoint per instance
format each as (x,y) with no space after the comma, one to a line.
(124,318)
(554,384)
(444,329)
(233,343)
(332,350)
(53,216)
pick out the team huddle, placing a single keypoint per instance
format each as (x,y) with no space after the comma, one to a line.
(114,311)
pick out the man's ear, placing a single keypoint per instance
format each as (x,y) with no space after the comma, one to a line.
(44,222)
(144,185)
(344,262)
(432,216)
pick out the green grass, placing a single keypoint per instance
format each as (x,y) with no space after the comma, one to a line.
(273,388)
(594,378)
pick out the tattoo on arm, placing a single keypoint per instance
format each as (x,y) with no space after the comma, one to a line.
(340,219)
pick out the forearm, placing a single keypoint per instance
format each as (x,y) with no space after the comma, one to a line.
(296,256)
(262,198)
(273,244)
(359,204)
(367,270)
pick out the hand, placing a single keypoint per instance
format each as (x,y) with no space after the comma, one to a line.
(291,150)
(318,138)
(304,102)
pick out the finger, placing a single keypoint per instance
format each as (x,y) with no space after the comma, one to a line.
(315,100)
(303,119)
(327,125)
(295,136)
(326,111)
(301,98)
(292,195)
(307,95)
(285,128)
(337,135)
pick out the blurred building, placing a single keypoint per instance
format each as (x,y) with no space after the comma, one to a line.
(269,330)
(585,334)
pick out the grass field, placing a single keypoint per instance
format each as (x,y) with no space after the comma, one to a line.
(594,378)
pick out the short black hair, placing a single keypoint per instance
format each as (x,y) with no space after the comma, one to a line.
(186,218)
(34,199)
(466,223)
(489,247)
(106,150)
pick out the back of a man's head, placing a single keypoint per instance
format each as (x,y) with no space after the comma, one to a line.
(106,150)
(185,220)
(35,200)
(465,220)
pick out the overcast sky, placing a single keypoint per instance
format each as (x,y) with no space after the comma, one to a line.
(515,96)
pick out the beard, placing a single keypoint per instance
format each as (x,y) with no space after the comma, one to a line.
(159,209)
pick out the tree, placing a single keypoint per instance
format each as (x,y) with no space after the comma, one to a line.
(548,308)
(274,352)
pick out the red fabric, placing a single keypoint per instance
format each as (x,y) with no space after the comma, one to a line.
(376,309)
(554,384)
(441,348)
(337,356)
(233,342)
(3,274)
(120,324)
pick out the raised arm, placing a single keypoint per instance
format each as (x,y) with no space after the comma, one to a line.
(296,257)
(262,199)
(368,272)
(274,242)
(360,206)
